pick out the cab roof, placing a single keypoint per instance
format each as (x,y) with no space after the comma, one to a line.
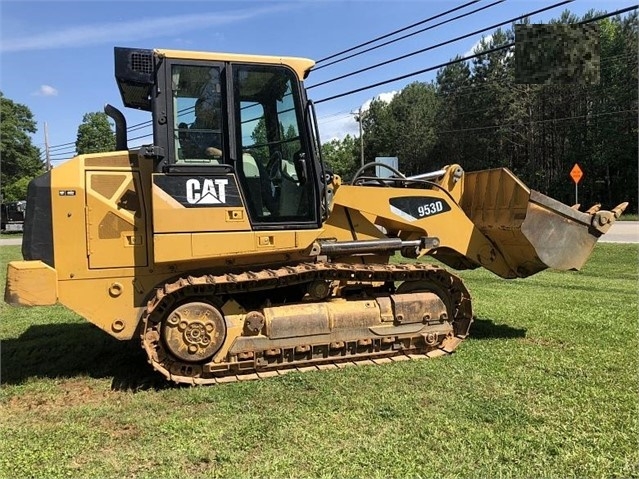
(301,66)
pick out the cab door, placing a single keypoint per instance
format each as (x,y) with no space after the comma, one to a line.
(273,166)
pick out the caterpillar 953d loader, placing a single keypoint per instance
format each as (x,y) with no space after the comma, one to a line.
(244,256)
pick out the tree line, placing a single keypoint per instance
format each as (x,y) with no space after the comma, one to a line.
(476,115)
(22,160)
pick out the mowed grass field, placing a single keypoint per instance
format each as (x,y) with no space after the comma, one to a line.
(546,386)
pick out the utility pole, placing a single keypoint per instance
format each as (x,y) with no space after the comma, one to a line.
(358,118)
(46,146)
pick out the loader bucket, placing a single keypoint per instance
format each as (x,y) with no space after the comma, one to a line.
(531,230)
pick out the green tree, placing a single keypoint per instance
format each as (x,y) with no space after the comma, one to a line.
(455,95)
(414,110)
(342,156)
(492,76)
(612,173)
(17,190)
(95,134)
(404,127)
(379,131)
(20,158)
(266,147)
(486,120)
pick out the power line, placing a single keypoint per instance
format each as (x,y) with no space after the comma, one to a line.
(432,47)
(140,137)
(62,155)
(412,34)
(459,60)
(71,143)
(60,152)
(408,75)
(57,153)
(548,120)
(343,112)
(462,92)
(149,122)
(395,32)
(343,117)
(458,114)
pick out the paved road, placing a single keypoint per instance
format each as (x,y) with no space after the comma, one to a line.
(10,241)
(621,232)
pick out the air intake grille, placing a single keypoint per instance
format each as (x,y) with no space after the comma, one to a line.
(142,62)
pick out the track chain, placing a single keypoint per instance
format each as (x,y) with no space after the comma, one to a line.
(207,286)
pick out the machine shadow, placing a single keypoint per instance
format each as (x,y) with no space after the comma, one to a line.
(483,328)
(58,351)
(73,350)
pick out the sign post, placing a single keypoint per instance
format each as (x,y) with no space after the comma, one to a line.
(576,175)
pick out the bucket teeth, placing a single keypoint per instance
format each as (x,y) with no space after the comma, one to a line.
(617,210)
(603,220)
(593,209)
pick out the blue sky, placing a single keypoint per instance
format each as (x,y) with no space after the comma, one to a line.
(57,57)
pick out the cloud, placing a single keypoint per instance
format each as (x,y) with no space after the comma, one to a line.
(45,90)
(475,46)
(385,97)
(133,30)
(332,128)
(337,125)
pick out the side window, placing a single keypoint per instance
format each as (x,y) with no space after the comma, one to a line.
(197,114)
(272,167)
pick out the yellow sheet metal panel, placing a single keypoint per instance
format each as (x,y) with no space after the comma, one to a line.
(176,247)
(116,226)
(436,216)
(301,65)
(68,210)
(204,203)
(532,231)
(31,283)
(112,304)
(453,228)
(348,224)
(495,199)
(172,247)
(169,216)
(222,244)
(109,186)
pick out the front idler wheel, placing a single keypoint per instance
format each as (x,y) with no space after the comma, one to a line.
(193,332)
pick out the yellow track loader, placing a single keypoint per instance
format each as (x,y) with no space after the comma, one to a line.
(231,252)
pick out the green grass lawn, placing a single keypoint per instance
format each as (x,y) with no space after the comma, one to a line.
(545,387)
(10,235)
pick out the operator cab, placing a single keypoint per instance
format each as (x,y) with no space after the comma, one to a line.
(240,121)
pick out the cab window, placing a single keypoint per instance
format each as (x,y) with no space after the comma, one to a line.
(272,163)
(197,114)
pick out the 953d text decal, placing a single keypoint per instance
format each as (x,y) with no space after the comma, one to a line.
(413,208)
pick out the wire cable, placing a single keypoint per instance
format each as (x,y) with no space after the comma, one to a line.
(432,47)
(357,90)
(411,34)
(395,32)
(408,75)
(547,120)
(459,60)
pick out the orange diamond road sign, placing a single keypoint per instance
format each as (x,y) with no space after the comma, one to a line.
(576,173)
